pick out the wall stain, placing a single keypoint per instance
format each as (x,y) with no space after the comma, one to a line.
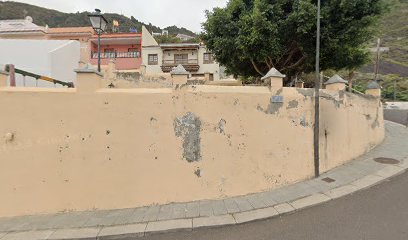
(198,172)
(293,104)
(329,97)
(376,122)
(188,128)
(305,92)
(303,122)
(221,126)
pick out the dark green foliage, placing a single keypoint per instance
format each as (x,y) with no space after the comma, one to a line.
(52,18)
(251,36)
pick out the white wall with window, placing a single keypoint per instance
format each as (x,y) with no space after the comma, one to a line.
(207,63)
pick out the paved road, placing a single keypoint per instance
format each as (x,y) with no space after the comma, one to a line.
(378,213)
(397,115)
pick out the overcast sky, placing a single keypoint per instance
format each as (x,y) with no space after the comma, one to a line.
(162,13)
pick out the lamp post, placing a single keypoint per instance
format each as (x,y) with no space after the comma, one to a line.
(316,140)
(99,24)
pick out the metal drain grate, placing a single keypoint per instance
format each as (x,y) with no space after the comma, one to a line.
(328,180)
(383,160)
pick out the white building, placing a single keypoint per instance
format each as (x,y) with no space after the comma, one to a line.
(161,58)
(184,37)
(52,58)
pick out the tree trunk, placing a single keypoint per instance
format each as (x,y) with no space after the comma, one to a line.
(256,68)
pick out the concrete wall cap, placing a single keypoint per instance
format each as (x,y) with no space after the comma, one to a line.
(373,85)
(335,79)
(273,73)
(88,68)
(179,70)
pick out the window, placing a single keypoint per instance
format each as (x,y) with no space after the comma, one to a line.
(153,59)
(208,58)
(181,58)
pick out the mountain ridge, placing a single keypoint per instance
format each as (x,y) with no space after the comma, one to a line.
(44,16)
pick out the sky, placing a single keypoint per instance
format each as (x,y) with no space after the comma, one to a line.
(161,13)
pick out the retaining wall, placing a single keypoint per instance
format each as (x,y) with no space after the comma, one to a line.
(63,150)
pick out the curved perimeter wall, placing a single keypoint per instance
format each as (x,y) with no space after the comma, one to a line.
(63,150)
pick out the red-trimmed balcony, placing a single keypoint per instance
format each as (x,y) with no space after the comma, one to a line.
(123,60)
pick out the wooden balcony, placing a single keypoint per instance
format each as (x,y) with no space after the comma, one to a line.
(191,65)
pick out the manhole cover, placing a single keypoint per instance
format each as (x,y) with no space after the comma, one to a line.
(386,160)
(328,180)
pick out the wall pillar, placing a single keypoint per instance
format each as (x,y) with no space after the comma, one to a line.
(207,76)
(3,78)
(299,84)
(373,89)
(179,75)
(88,79)
(275,78)
(110,72)
(336,83)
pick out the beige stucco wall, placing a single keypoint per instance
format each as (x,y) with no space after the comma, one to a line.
(351,125)
(122,148)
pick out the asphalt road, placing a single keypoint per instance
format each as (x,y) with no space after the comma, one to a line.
(397,115)
(378,213)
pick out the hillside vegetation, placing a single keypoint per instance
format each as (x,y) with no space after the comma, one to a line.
(43,16)
(393,32)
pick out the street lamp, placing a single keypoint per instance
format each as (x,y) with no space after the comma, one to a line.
(316,140)
(99,24)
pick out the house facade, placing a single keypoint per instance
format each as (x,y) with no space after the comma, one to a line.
(124,48)
(162,58)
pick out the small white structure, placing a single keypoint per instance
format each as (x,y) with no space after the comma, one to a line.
(184,37)
(52,58)
(24,28)
(162,58)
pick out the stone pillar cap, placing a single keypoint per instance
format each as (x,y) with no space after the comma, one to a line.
(335,79)
(88,68)
(179,70)
(373,85)
(273,73)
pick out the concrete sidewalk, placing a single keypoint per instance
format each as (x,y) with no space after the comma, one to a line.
(127,223)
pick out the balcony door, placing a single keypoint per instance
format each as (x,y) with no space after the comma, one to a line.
(180,59)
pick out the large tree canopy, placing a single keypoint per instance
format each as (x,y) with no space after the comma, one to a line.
(249,37)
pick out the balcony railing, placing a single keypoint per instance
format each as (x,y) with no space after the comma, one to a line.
(181,61)
(191,65)
(105,55)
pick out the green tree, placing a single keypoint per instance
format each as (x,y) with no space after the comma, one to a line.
(251,36)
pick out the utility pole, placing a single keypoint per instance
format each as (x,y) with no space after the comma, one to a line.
(316,134)
(377,61)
